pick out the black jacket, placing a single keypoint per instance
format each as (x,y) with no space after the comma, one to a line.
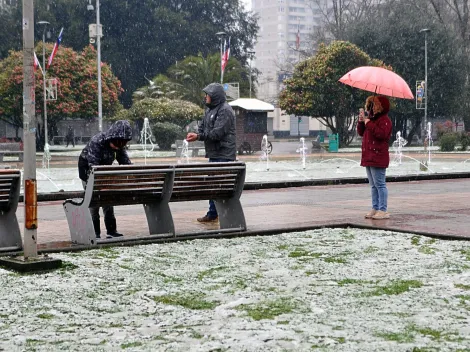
(217,129)
(99,152)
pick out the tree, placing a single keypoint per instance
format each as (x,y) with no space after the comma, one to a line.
(186,80)
(162,110)
(146,37)
(76,75)
(314,89)
(447,91)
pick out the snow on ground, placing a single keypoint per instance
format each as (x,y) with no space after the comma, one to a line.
(327,290)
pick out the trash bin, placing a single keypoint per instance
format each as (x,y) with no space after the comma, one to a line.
(333,143)
(321,137)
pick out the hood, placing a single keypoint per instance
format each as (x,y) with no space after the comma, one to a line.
(119,130)
(380,103)
(216,92)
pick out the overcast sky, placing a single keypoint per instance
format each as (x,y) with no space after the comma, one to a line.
(247,4)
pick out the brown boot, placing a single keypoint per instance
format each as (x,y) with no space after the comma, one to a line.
(370,214)
(380,215)
(205,218)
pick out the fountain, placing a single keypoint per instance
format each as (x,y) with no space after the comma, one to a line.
(397,146)
(46,156)
(428,142)
(303,151)
(146,139)
(265,151)
(184,158)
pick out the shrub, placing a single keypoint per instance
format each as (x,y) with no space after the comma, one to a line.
(464,139)
(166,133)
(448,142)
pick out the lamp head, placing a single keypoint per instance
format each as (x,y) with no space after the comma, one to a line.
(89,7)
(250,52)
(425,30)
(220,34)
(43,23)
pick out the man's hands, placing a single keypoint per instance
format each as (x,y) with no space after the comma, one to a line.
(191,137)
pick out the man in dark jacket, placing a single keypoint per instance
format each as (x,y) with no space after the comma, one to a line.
(103,149)
(70,136)
(217,130)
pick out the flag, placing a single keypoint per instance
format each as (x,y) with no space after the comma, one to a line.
(226,54)
(54,50)
(36,63)
(297,39)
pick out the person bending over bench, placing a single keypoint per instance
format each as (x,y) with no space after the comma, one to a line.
(103,149)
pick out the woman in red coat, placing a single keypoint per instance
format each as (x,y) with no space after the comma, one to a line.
(375,128)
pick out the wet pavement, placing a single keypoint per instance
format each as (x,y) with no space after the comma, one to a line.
(430,207)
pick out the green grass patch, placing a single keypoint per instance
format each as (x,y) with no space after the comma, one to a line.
(405,336)
(268,309)
(345,282)
(194,302)
(415,240)
(427,250)
(462,286)
(338,260)
(202,274)
(371,249)
(466,253)
(107,252)
(283,247)
(46,316)
(396,287)
(131,344)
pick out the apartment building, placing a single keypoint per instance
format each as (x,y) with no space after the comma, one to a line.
(284,37)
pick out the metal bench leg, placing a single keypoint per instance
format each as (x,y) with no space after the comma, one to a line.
(159,218)
(195,153)
(10,235)
(80,224)
(231,214)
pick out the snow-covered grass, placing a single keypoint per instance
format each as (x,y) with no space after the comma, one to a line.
(327,290)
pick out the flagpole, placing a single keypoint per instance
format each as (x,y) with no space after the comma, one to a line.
(98,59)
(221,36)
(46,156)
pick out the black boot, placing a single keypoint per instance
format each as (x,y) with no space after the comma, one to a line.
(111,228)
(96,226)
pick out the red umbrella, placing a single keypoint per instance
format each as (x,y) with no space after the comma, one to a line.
(378,80)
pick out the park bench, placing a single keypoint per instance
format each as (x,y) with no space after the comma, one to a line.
(221,182)
(193,147)
(56,140)
(10,235)
(155,186)
(11,148)
(149,185)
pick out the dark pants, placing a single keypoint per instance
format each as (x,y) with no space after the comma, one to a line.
(212,213)
(109,218)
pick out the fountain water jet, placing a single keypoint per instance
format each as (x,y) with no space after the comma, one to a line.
(265,151)
(184,158)
(146,139)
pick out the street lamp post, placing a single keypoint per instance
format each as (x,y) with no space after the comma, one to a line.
(98,61)
(221,36)
(425,31)
(46,140)
(251,53)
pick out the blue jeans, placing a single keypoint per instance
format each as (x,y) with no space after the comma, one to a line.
(376,176)
(212,213)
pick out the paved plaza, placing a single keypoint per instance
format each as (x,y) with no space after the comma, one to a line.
(433,207)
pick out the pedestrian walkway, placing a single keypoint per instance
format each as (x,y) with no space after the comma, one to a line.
(436,208)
